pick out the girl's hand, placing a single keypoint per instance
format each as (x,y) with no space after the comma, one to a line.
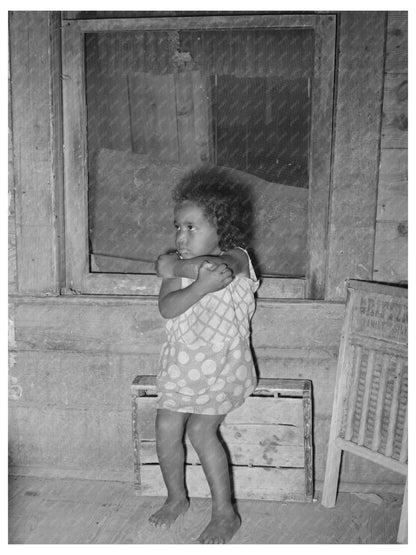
(213,277)
(165,265)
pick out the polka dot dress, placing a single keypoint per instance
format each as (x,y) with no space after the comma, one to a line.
(206,365)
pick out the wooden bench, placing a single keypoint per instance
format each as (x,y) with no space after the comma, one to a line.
(268,439)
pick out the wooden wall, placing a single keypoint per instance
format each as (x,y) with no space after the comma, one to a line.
(391,242)
(356,149)
(76,356)
(35,181)
(73,357)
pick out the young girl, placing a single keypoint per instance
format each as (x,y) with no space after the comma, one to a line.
(206,366)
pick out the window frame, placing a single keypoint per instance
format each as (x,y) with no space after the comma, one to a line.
(78,276)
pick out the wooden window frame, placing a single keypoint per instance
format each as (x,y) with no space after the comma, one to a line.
(78,276)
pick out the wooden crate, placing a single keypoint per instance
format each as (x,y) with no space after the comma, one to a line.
(269,443)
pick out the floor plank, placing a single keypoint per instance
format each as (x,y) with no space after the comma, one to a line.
(67,511)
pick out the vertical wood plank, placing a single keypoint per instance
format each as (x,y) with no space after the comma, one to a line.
(12,269)
(260,59)
(395,112)
(221,45)
(165,117)
(320,157)
(366,397)
(380,402)
(236,59)
(33,98)
(137,100)
(403,448)
(201,115)
(356,150)
(185,117)
(391,240)
(391,251)
(392,201)
(75,156)
(354,391)
(57,150)
(397,42)
(333,459)
(136,440)
(137,52)
(308,441)
(118,114)
(250,64)
(96,92)
(150,115)
(394,408)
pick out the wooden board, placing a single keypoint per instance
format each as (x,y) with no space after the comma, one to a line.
(397,42)
(391,252)
(273,436)
(185,118)
(395,114)
(153,115)
(33,89)
(391,240)
(356,150)
(134,325)
(202,133)
(274,411)
(392,199)
(70,437)
(269,454)
(12,268)
(320,157)
(75,156)
(282,484)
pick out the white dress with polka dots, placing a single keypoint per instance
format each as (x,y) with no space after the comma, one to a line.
(206,365)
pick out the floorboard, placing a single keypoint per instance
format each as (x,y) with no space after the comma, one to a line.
(67,511)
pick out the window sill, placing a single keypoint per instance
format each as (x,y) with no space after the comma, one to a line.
(149,284)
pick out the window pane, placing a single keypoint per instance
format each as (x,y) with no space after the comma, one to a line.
(162,102)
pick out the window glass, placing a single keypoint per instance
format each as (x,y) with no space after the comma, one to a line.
(162,102)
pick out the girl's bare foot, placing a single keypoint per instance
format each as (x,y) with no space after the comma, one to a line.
(221,528)
(169,512)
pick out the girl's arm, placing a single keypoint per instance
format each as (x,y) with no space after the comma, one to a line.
(169,265)
(174,301)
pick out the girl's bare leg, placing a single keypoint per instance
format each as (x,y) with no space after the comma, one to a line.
(170,427)
(202,431)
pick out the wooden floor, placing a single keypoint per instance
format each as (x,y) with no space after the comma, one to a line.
(67,511)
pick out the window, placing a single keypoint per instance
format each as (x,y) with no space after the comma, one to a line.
(146,99)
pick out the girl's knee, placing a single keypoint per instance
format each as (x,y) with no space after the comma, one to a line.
(170,424)
(202,429)
(195,429)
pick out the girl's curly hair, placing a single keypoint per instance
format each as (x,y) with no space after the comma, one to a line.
(225,202)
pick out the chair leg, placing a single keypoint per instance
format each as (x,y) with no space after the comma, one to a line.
(333,463)
(402,534)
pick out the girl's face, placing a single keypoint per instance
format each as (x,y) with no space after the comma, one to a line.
(195,234)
